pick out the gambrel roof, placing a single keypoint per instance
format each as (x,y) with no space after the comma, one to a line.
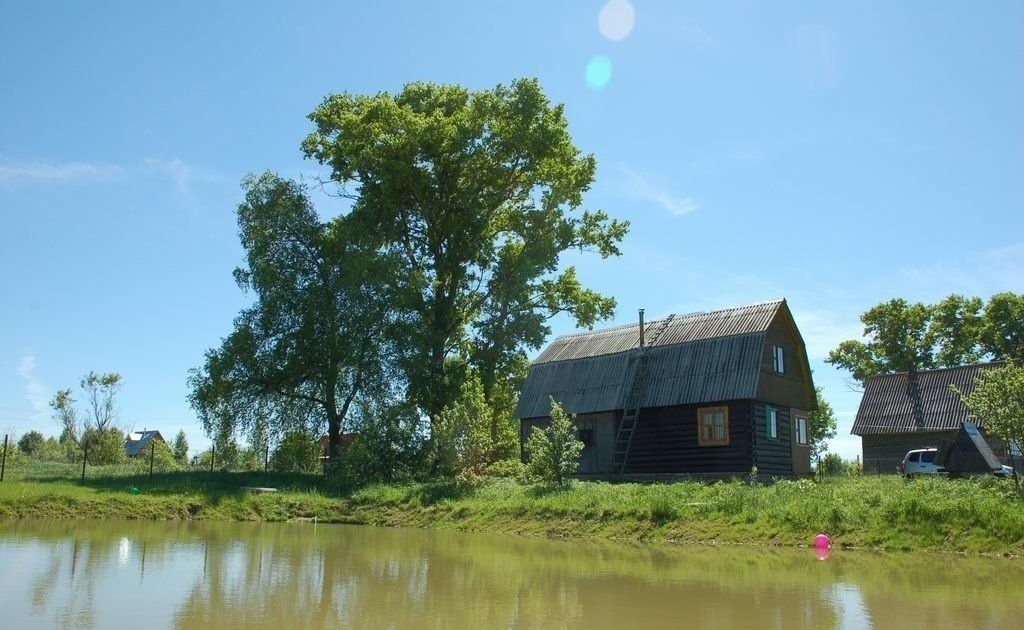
(916,401)
(697,357)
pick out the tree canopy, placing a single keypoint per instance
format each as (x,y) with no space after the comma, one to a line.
(958,330)
(312,341)
(476,195)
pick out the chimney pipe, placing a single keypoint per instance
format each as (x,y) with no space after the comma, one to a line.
(641,328)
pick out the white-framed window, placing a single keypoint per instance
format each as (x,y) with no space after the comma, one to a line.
(713,426)
(779,354)
(801,430)
(773,422)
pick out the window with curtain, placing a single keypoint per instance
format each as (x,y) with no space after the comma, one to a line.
(713,426)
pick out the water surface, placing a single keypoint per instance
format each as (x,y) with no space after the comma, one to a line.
(118,574)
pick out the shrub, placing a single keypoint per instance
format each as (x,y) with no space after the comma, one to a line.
(554,451)
(832,465)
(471,434)
(297,452)
(32,443)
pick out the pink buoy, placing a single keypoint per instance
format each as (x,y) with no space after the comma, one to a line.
(821,541)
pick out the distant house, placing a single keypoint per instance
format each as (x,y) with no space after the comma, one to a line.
(708,394)
(136,444)
(910,410)
(325,451)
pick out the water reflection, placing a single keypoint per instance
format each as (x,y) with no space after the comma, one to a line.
(82,574)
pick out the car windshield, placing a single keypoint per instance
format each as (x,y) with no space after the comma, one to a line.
(928,457)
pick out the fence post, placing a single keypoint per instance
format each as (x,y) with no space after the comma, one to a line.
(213,455)
(85,457)
(3,459)
(152,446)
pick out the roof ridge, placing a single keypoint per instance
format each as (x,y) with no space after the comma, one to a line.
(677,317)
(942,369)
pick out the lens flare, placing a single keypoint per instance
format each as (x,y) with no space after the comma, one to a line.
(615,21)
(599,72)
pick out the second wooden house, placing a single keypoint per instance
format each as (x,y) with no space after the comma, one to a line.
(714,394)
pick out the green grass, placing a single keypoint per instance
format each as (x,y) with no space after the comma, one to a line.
(866,512)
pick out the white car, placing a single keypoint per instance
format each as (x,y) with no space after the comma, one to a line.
(920,462)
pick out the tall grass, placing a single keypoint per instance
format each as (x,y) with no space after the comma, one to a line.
(875,512)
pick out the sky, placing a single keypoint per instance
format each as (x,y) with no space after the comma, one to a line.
(835,154)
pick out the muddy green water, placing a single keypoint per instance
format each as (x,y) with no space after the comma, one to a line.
(117,574)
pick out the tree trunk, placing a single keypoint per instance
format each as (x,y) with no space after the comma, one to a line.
(333,433)
(1013,465)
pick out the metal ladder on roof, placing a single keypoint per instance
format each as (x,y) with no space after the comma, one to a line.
(633,401)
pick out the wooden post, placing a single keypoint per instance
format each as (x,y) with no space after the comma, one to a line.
(3,459)
(213,455)
(266,459)
(152,450)
(85,457)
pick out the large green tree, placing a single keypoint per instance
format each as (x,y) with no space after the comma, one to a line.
(905,337)
(477,194)
(313,339)
(1002,329)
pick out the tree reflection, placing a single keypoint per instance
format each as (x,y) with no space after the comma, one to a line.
(305,576)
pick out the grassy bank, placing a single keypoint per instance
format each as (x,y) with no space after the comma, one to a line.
(866,512)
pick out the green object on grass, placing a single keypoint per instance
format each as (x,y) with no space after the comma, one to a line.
(133,490)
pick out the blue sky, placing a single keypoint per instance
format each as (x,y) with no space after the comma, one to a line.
(836,154)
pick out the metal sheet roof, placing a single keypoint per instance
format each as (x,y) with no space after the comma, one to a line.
(740,320)
(135,442)
(698,357)
(919,401)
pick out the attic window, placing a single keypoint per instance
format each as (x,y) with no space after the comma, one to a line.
(713,426)
(780,359)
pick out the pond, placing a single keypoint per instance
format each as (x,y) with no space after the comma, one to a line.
(124,574)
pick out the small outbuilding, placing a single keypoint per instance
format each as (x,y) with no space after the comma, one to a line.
(710,394)
(968,453)
(135,444)
(911,410)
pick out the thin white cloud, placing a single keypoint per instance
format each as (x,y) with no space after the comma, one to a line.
(14,172)
(22,172)
(642,187)
(823,330)
(35,392)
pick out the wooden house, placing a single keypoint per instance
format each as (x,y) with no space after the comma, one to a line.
(137,444)
(703,394)
(911,410)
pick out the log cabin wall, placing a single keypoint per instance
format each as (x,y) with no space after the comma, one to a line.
(666,441)
(772,455)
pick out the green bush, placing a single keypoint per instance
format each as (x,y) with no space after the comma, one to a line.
(832,465)
(105,447)
(32,443)
(296,452)
(554,451)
